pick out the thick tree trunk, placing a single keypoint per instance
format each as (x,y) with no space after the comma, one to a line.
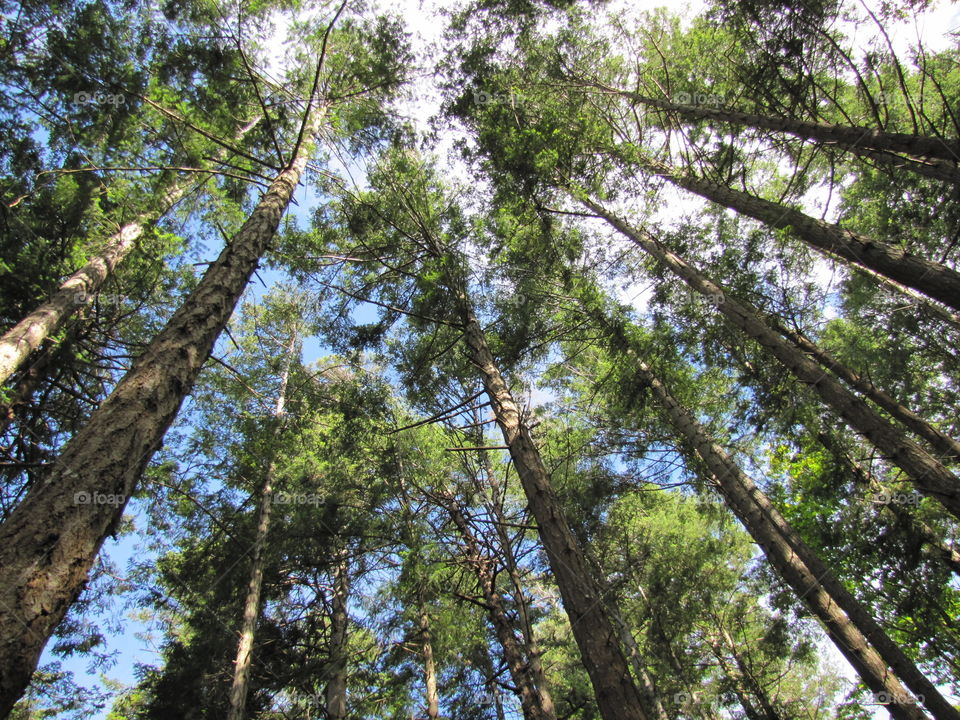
(51,540)
(517,660)
(23,338)
(859,140)
(948,448)
(931,278)
(617,696)
(251,607)
(854,631)
(928,475)
(336,692)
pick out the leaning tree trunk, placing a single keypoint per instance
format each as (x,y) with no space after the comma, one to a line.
(923,532)
(26,336)
(251,606)
(948,448)
(336,691)
(51,540)
(517,660)
(617,696)
(933,279)
(854,631)
(940,157)
(520,597)
(928,475)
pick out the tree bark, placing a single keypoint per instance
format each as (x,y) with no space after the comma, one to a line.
(251,607)
(336,692)
(924,532)
(23,338)
(931,278)
(429,665)
(617,696)
(928,475)
(942,155)
(854,631)
(517,660)
(520,596)
(948,448)
(51,540)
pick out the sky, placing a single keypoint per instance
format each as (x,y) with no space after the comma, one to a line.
(422,21)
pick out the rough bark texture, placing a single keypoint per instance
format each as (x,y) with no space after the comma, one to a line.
(933,279)
(854,631)
(336,691)
(928,475)
(513,653)
(23,338)
(948,448)
(50,541)
(617,696)
(860,140)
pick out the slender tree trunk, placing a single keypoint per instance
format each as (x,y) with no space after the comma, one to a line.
(743,678)
(520,671)
(617,696)
(336,692)
(429,665)
(859,140)
(51,540)
(251,606)
(928,475)
(846,621)
(939,441)
(519,594)
(933,279)
(921,530)
(648,689)
(23,338)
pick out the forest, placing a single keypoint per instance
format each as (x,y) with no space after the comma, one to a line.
(479,360)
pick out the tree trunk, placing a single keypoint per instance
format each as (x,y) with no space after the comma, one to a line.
(617,696)
(740,674)
(846,621)
(51,540)
(928,475)
(429,666)
(931,278)
(942,155)
(251,607)
(520,597)
(23,338)
(895,511)
(948,448)
(336,693)
(520,671)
